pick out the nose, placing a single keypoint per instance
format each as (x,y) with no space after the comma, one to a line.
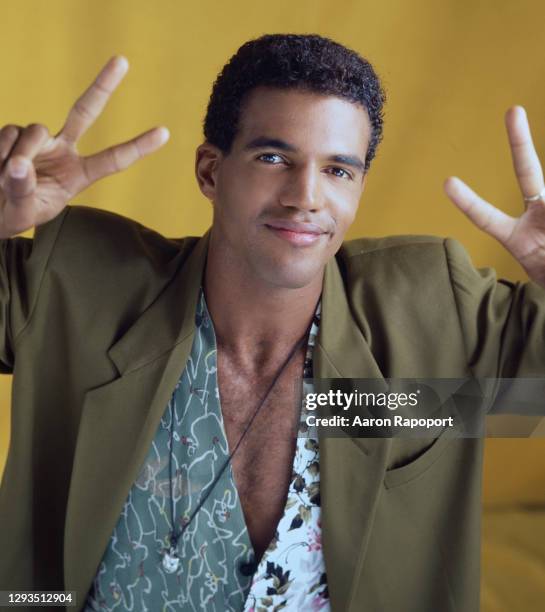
(302,189)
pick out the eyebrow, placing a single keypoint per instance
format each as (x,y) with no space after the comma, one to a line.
(262,142)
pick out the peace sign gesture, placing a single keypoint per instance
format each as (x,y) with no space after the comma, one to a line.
(523,237)
(40,173)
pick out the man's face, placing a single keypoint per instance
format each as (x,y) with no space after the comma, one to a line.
(288,191)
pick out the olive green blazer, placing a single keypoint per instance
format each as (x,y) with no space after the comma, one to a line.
(96,324)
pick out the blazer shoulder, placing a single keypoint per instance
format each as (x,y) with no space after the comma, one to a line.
(410,262)
(104,260)
(416,253)
(407,242)
(108,235)
(93,241)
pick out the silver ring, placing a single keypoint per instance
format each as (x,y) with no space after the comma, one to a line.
(535,198)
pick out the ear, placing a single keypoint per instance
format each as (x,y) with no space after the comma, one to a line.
(207,159)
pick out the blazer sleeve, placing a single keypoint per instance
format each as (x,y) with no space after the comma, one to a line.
(502,323)
(23,264)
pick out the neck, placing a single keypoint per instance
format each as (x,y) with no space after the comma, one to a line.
(253,321)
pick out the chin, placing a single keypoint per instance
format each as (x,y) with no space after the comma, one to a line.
(290,277)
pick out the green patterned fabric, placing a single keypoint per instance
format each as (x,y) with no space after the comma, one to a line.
(216,543)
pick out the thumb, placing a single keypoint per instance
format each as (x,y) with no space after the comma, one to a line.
(19,181)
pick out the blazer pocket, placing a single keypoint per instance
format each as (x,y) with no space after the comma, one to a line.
(415,468)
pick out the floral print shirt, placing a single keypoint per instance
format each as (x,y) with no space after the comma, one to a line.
(214,550)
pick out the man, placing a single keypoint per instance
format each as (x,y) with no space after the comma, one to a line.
(127,480)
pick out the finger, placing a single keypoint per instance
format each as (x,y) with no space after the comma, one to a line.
(19,181)
(31,141)
(91,103)
(121,156)
(485,216)
(525,159)
(8,137)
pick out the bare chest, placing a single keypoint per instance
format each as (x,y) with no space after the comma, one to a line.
(262,464)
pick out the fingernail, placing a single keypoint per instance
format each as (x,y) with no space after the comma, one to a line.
(122,63)
(164,134)
(18,168)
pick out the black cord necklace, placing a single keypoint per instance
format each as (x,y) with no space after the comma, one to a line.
(170,557)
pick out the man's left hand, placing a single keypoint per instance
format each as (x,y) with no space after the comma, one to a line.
(523,237)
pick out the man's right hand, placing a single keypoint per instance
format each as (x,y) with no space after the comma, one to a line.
(40,173)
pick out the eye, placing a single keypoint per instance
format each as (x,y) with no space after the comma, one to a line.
(273,158)
(341,173)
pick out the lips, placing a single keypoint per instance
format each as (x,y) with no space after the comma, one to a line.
(294,226)
(296,233)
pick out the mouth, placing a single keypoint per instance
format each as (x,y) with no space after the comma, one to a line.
(298,234)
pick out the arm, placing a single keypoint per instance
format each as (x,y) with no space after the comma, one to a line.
(39,175)
(22,265)
(502,326)
(502,323)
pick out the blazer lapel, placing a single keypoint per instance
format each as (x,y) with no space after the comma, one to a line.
(351,469)
(120,419)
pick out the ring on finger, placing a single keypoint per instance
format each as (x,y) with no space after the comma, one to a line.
(535,198)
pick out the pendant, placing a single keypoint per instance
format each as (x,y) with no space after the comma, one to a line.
(171,561)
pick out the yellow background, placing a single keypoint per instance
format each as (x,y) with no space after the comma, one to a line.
(451,69)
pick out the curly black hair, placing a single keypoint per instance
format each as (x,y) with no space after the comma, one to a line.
(301,61)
